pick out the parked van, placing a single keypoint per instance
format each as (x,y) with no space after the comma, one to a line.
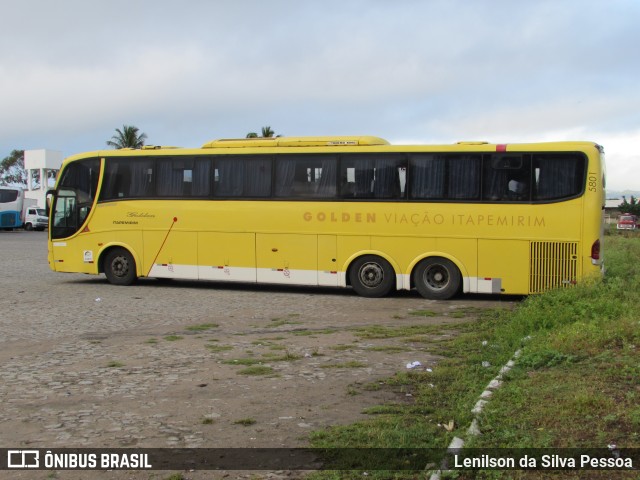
(35,218)
(627,222)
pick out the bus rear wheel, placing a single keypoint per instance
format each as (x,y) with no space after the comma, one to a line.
(372,276)
(437,278)
(120,267)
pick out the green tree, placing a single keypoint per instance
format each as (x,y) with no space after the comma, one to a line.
(12,170)
(632,206)
(267,132)
(128,137)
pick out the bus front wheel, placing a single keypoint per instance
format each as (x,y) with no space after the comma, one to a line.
(372,276)
(437,278)
(120,267)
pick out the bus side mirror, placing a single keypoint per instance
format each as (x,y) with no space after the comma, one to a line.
(49,199)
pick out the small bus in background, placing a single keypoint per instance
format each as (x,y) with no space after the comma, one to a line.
(11,207)
(17,211)
(470,217)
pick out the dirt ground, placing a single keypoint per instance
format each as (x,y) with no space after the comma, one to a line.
(193,365)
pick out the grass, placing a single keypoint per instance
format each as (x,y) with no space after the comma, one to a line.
(218,348)
(268,343)
(581,364)
(388,349)
(576,384)
(203,327)
(287,357)
(342,347)
(378,331)
(350,364)
(173,338)
(306,332)
(422,313)
(277,322)
(175,476)
(256,370)
(245,422)
(243,361)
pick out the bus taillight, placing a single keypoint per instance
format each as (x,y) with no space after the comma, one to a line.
(595,250)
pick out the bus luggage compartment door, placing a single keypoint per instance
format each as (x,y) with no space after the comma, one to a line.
(287,258)
(503,266)
(227,256)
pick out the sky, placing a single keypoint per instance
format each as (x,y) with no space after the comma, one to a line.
(410,71)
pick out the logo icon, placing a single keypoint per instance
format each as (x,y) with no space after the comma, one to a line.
(23,459)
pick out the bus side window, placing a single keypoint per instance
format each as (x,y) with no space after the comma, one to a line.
(506,178)
(116,180)
(128,178)
(306,176)
(427,179)
(440,177)
(373,176)
(463,177)
(171,176)
(242,176)
(348,183)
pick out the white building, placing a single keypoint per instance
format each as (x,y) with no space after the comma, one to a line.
(47,162)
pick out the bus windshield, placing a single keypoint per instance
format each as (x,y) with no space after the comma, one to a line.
(74,197)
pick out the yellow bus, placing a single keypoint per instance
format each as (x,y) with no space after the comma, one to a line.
(357,212)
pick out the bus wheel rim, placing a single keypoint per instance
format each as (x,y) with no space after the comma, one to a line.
(120,266)
(371,275)
(436,277)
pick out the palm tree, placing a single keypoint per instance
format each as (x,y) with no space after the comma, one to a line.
(128,137)
(266,133)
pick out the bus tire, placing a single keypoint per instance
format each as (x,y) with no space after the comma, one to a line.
(372,276)
(437,278)
(120,267)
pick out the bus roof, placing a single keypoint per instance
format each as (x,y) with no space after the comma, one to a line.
(295,142)
(348,143)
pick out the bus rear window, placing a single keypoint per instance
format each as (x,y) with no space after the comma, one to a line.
(557,176)
(8,195)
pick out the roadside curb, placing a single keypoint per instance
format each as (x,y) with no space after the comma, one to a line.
(457,443)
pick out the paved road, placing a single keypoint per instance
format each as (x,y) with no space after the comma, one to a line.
(86,363)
